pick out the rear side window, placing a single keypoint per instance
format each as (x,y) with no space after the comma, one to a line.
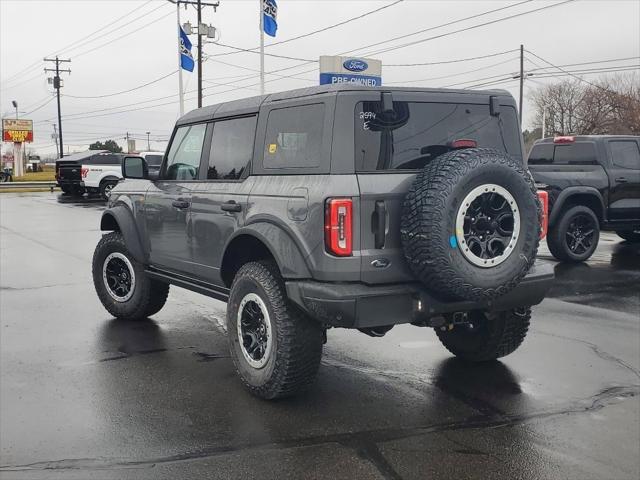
(541,154)
(153,160)
(104,159)
(184,155)
(231,148)
(625,154)
(580,153)
(575,154)
(416,132)
(294,137)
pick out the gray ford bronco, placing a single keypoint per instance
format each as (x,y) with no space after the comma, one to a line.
(334,206)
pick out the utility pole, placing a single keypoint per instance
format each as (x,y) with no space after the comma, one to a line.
(148,144)
(521,81)
(57,84)
(202,30)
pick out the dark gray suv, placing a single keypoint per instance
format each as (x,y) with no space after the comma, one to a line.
(334,206)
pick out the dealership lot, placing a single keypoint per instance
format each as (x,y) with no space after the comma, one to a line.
(85,396)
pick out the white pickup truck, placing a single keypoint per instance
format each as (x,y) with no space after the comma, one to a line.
(97,173)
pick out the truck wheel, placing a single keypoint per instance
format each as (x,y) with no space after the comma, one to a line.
(106,187)
(276,348)
(488,335)
(632,236)
(470,225)
(575,235)
(121,283)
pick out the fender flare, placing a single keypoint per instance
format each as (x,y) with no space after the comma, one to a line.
(109,177)
(568,193)
(283,248)
(119,218)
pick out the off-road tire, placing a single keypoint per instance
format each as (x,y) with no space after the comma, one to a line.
(494,335)
(429,232)
(105,188)
(557,235)
(149,296)
(632,236)
(297,342)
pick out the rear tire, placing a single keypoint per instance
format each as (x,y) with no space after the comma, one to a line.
(632,236)
(106,187)
(275,347)
(121,283)
(575,235)
(488,336)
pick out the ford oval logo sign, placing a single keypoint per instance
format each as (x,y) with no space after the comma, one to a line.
(355,65)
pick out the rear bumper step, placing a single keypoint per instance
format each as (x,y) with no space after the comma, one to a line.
(358,305)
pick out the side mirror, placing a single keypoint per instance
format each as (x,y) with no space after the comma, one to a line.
(134,167)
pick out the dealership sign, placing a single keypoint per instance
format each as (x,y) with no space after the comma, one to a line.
(351,70)
(17,130)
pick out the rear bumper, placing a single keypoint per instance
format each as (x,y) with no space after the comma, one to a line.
(358,305)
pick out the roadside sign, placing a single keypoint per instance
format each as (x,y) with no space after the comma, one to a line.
(17,130)
(353,70)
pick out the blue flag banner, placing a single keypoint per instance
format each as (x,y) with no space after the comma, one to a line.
(269,14)
(186,59)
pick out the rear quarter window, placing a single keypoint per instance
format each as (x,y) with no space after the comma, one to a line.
(294,137)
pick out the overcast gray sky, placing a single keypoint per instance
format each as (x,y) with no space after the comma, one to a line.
(141,47)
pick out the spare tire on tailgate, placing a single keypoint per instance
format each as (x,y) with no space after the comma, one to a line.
(471,224)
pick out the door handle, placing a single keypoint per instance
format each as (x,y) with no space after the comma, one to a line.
(181,204)
(621,180)
(380,224)
(231,206)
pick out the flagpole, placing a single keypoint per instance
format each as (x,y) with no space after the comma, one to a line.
(180,87)
(261,3)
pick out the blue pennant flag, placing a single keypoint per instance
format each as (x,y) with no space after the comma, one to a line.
(186,59)
(269,14)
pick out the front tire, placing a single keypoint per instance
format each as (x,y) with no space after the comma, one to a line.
(275,347)
(121,283)
(632,236)
(575,235)
(488,335)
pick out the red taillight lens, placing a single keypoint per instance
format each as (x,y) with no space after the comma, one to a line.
(464,143)
(564,139)
(84,172)
(544,200)
(338,226)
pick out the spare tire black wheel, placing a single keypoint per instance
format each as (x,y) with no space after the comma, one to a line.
(470,225)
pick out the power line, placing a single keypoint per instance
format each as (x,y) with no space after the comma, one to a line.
(127,91)
(124,35)
(37,62)
(472,27)
(308,34)
(450,61)
(571,74)
(454,74)
(41,106)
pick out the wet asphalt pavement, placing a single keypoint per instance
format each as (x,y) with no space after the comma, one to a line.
(85,396)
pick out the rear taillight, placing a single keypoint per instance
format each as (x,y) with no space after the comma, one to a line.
(544,221)
(338,226)
(84,172)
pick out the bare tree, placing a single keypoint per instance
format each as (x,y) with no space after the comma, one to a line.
(609,106)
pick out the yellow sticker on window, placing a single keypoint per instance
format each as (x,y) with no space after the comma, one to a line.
(272,148)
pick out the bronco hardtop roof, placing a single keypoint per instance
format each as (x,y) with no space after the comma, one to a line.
(252,104)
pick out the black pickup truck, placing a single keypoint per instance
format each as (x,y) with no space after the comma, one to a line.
(593,184)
